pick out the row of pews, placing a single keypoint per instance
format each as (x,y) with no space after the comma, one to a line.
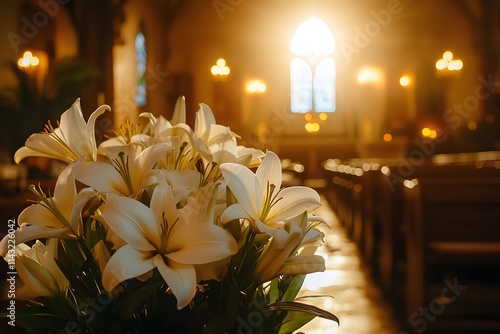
(429,231)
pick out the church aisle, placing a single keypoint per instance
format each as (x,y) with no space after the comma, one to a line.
(353,296)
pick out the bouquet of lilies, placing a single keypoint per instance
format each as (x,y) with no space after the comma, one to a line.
(162,228)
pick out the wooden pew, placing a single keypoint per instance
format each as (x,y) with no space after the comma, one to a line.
(352,194)
(452,236)
(344,196)
(390,201)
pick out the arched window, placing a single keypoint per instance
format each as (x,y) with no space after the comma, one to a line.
(312,68)
(140,58)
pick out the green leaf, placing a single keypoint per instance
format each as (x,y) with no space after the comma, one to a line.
(73,279)
(37,318)
(294,321)
(42,323)
(294,288)
(225,315)
(94,232)
(305,308)
(274,292)
(58,308)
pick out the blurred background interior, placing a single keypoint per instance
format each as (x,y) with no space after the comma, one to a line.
(391,109)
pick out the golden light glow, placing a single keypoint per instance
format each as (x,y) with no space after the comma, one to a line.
(308,117)
(441,64)
(369,75)
(221,62)
(404,80)
(312,38)
(410,183)
(387,137)
(299,168)
(429,133)
(472,125)
(455,65)
(255,87)
(312,127)
(323,116)
(28,60)
(448,55)
(220,69)
(448,63)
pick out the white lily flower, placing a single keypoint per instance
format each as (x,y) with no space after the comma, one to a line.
(163,237)
(38,270)
(158,125)
(215,142)
(179,136)
(73,139)
(58,216)
(179,116)
(250,157)
(260,199)
(279,258)
(128,172)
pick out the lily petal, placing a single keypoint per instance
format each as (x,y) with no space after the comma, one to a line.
(145,161)
(179,111)
(42,145)
(203,244)
(181,279)
(294,201)
(102,177)
(126,263)
(204,118)
(270,171)
(32,232)
(297,265)
(39,279)
(78,204)
(234,211)
(132,221)
(65,189)
(245,186)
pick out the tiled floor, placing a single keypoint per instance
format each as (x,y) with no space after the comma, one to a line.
(355,299)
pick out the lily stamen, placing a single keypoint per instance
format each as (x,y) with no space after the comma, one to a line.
(123,168)
(49,204)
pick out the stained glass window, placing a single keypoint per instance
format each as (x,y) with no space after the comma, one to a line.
(312,68)
(301,85)
(140,58)
(324,85)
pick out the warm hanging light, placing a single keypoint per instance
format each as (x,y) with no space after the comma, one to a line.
(369,75)
(220,69)
(404,80)
(28,60)
(448,64)
(255,87)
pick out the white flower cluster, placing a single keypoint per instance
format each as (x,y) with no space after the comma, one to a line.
(169,198)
